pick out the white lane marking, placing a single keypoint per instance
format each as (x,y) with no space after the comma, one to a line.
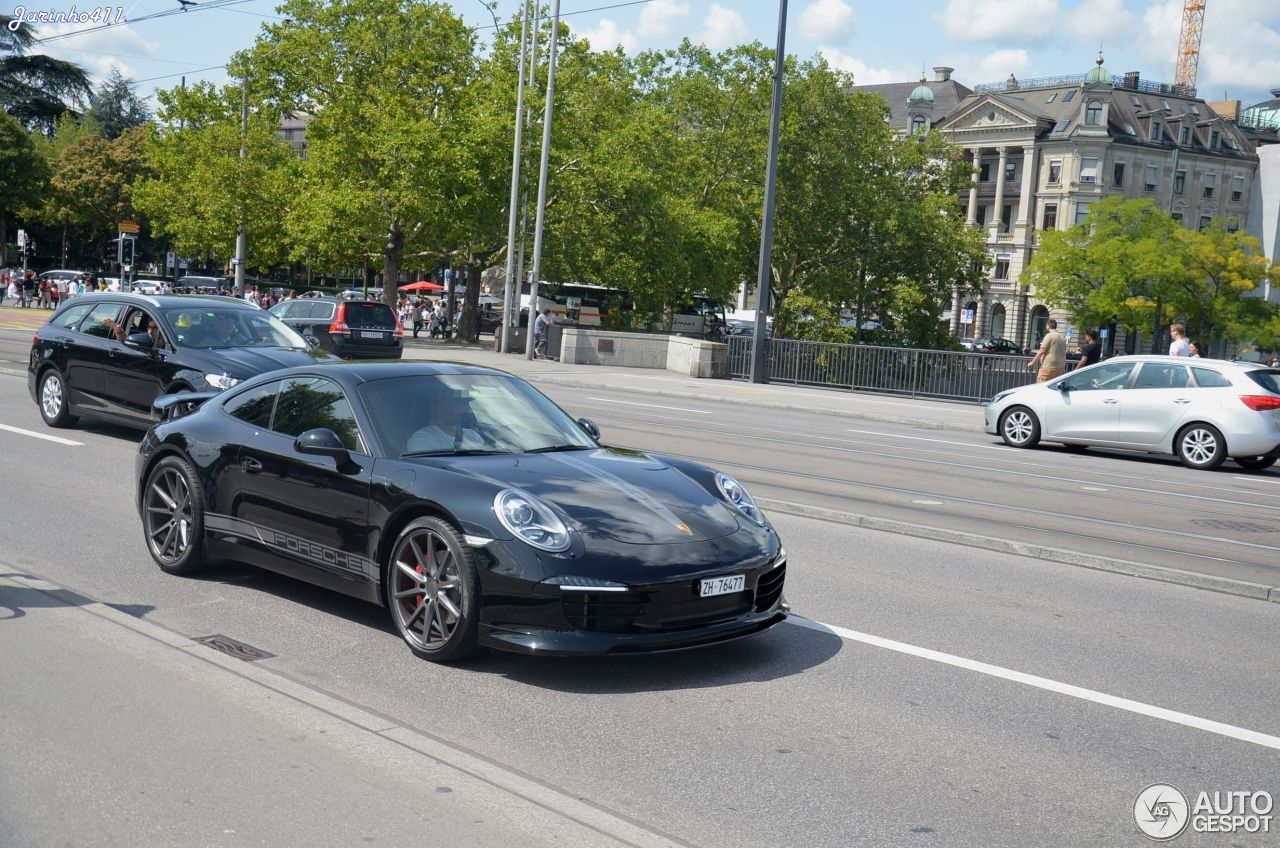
(652,405)
(1149,710)
(57,439)
(1004,448)
(1257,479)
(1093,488)
(928,503)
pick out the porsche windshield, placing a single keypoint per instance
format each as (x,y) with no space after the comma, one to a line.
(213,327)
(467,414)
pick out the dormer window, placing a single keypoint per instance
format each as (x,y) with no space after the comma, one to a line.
(1213,139)
(1186,135)
(1093,113)
(917,124)
(1155,130)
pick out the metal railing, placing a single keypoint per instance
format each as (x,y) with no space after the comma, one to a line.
(944,374)
(1146,86)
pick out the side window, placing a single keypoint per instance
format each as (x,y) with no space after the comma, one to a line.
(93,326)
(284,310)
(321,311)
(309,402)
(1207,378)
(254,406)
(70,316)
(1109,377)
(1156,375)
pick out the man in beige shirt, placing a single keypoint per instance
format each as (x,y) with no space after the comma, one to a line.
(1052,356)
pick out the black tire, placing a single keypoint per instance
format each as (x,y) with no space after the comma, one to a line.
(1200,446)
(432,591)
(1020,428)
(51,397)
(1255,463)
(173,517)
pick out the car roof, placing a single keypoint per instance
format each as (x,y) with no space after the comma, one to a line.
(165,300)
(353,373)
(1185,360)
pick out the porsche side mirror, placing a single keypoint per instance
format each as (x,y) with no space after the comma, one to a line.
(322,442)
(589,427)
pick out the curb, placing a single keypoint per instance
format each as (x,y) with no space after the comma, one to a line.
(1162,574)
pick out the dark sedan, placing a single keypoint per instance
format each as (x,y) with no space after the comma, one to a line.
(111,355)
(467,503)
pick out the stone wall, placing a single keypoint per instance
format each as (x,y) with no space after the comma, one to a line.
(691,357)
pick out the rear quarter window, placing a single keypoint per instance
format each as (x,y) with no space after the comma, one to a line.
(1268,379)
(1207,378)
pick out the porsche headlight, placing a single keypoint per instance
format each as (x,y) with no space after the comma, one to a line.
(735,494)
(220,381)
(531,521)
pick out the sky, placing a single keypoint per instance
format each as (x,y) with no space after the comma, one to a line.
(876,41)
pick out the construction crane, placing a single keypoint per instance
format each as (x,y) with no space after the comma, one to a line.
(1184,75)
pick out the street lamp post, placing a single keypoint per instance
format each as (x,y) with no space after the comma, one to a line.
(540,220)
(244,136)
(759,348)
(505,332)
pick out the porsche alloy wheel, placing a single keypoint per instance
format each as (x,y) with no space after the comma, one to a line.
(173,517)
(433,591)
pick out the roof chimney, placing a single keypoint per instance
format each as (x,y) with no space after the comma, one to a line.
(942,73)
(1275,92)
(1131,79)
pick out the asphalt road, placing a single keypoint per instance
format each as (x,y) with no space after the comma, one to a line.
(949,696)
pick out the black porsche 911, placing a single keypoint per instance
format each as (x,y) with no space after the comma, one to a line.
(466,502)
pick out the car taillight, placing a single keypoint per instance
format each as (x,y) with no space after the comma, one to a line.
(1261,403)
(339,325)
(399,331)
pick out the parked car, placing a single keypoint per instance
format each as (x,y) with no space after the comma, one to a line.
(62,277)
(361,329)
(1200,410)
(967,343)
(80,366)
(467,503)
(999,346)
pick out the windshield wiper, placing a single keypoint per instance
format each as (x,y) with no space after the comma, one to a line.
(564,447)
(459,452)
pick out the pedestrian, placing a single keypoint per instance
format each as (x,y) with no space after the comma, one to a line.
(42,288)
(28,289)
(1179,346)
(1195,349)
(1052,356)
(416,315)
(55,293)
(540,334)
(13,290)
(1090,351)
(1275,360)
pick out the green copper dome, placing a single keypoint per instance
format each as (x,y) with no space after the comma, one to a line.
(920,92)
(1099,73)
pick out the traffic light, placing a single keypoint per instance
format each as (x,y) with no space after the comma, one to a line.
(125,254)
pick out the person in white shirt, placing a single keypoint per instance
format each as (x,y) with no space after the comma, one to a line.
(1179,346)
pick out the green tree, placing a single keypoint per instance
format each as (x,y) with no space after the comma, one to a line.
(23,174)
(35,88)
(116,107)
(92,180)
(1218,295)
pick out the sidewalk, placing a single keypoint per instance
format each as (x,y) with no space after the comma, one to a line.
(931,414)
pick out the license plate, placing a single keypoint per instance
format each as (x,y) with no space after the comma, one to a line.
(367,335)
(722,585)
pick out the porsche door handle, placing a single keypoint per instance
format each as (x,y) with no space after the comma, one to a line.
(1111,400)
(252,466)
(1183,400)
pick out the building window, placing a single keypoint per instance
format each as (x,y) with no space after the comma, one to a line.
(1001,271)
(917,124)
(1213,140)
(984,172)
(981,217)
(1204,222)
(1233,225)
(1082,212)
(1165,105)
(1151,178)
(1155,130)
(1179,182)
(1210,183)
(1052,97)
(1062,125)
(1237,189)
(1006,218)
(1117,174)
(1050,217)
(1177,216)
(1010,171)
(1055,171)
(1195,110)
(1093,113)
(1069,96)
(1186,134)
(1088,170)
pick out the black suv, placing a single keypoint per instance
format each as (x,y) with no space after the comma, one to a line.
(111,355)
(360,329)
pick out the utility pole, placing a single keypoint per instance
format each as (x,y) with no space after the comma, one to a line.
(759,348)
(516,149)
(540,220)
(244,136)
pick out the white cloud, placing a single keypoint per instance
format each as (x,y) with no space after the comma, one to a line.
(827,21)
(974,69)
(1000,21)
(1105,22)
(863,74)
(1239,53)
(658,19)
(98,52)
(723,28)
(606,35)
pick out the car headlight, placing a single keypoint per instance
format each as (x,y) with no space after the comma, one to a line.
(735,494)
(531,521)
(220,381)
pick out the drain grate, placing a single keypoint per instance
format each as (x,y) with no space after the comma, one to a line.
(1237,526)
(233,648)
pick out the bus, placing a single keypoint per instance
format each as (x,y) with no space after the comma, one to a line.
(580,304)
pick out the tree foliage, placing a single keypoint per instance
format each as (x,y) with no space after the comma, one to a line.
(116,107)
(23,172)
(35,88)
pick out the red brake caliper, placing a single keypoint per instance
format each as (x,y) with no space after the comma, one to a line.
(419,599)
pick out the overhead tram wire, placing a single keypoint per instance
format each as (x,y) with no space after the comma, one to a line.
(181,10)
(487,26)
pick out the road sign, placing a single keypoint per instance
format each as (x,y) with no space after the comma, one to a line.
(128,225)
(169,259)
(966,316)
(22,238)
(182,264)
(1070,330)
(1105,333)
